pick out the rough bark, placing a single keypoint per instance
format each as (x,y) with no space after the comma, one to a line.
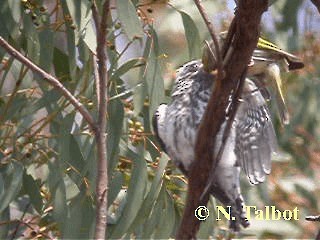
(245,34)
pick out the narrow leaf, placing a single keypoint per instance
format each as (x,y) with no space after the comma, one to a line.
(128,17)
(192,36)
(135,195)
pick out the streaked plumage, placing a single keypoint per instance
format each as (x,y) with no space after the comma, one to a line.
(250,144)
(267,62)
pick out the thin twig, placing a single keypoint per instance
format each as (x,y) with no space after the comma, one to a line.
(51,80)
(14,234)
(214,38)
(100,135)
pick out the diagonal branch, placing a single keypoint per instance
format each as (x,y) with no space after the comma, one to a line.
(246,33)
(51,80)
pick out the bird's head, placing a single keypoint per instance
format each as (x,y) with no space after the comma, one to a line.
(267,63)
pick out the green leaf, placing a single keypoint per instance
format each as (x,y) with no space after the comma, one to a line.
(76,161)
(58,194)
(32,39)
(46,49)
(114,130)
(151,223)
(71,42)
(140,92)
(9,25)
(128,17)
(15,7)
(115,185)
(135,194)
(2,185)
(11,182)
(153,78)
(61,65)
(167,219)
(32,188)
(80,11)
(47,99)
(152,195)
(207,227)
(79,225)
(5,228)
(192,36)
(124,68)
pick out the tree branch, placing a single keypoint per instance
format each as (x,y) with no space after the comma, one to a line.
(317,4)
(246,34)
(213,36)
(51,80)
(100,135)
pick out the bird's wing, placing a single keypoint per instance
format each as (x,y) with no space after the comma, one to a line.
(255,136)
(158,124)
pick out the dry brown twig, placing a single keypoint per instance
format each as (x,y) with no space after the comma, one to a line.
(50,79)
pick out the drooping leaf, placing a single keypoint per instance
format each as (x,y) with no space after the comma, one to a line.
(32,188)
(61,65)
(15,7)
(71,42)
(46,49)
(153,77)
(58,192)
(80,11)
(135,194)
(79,225)
(167,217)
(192,36)
(11,182)
(152,195)
(115,185)
(128,17)
(116,115)
(140,92)
(5,228)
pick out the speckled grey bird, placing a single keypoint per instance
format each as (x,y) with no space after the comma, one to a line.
(251,142)
(252,139)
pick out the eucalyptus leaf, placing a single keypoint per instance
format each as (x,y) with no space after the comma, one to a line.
(192,36)
(32,188)
(4,228)
(154,79)
(114,130)
(135,196)
(15,7)
(80,222)
(12,182)
(128,17)
(156,186)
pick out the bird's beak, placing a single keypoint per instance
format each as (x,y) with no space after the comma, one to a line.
(273,72)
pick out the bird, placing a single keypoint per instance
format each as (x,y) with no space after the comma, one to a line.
(267,63)
(251,142)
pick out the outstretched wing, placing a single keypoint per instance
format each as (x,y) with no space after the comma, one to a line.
(255,135)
